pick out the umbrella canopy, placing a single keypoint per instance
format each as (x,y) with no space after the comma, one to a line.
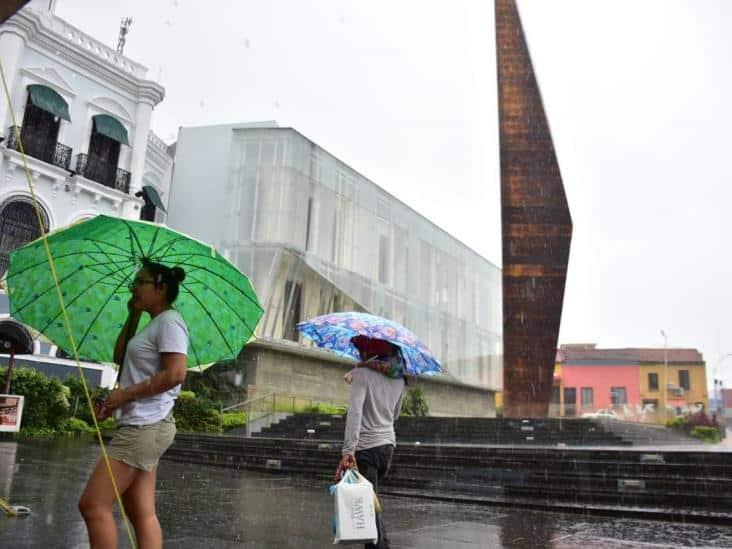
(335,332)
(95,262)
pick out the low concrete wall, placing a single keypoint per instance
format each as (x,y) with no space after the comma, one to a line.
(291,369)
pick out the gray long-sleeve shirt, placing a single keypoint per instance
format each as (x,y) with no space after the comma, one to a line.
(374,407)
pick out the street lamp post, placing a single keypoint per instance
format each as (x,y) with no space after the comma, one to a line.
(665,376)
(717,396)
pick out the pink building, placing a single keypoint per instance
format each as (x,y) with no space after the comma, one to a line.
(592,387)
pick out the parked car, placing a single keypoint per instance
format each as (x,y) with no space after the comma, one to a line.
(602,414)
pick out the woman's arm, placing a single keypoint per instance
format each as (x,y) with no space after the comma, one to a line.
(174,373)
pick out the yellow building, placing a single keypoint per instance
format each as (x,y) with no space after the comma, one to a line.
(684,374)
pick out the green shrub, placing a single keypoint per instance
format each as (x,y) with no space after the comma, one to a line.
(232,420)
(676,423)
(38,432)
(415,403)
(707,434)
(195,414)
(76,425)
(322,408)
(109,424)
(46,405)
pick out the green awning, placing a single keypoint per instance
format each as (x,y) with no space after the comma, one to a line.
(49,100)
(154,197)
(111,127)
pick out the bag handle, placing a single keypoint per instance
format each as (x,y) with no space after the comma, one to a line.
(353,476)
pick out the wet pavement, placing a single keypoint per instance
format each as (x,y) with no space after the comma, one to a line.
(223,508)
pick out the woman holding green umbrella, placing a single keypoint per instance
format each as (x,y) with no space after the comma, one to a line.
(215,315)
(153,368)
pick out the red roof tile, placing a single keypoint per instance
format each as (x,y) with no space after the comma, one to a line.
(590,352)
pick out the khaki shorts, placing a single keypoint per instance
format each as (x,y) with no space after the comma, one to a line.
(142,446)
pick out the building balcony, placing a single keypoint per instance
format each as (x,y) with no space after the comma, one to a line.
(102,172)
(57,154)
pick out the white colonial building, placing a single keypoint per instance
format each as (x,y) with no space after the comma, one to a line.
(82,112)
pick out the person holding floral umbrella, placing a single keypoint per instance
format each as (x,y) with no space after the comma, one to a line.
(377,391)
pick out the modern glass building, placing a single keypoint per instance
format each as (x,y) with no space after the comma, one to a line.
(316,236)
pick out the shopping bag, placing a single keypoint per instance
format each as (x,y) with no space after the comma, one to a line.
(355,509)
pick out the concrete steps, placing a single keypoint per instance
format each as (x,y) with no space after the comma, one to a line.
(697,485)
(575,432)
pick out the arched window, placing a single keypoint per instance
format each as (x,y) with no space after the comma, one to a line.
(18,226)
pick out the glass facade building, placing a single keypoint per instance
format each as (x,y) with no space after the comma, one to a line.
(315,236)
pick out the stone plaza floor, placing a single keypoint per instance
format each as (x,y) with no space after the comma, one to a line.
(212,508)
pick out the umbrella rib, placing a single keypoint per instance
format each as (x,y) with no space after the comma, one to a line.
(134,239)
(207,256)
(168,245)
(91,266)
(88,239)
(213,273)
(68,304)
(219,260)
(36,296)
(152,242)
(56,258)
(233,310)
(122,251)
(193,348)
(209,316)
(114,275)
(99,312)
(104,252)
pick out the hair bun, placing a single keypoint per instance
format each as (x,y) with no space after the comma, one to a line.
(178,274)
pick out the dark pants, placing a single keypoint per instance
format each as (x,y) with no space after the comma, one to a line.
(374,465)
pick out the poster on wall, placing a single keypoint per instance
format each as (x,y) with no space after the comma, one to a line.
(11,412)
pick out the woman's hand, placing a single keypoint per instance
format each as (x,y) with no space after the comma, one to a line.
(347,462)
(115,399)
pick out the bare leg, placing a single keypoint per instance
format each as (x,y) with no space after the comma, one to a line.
(139,501)
(96,502)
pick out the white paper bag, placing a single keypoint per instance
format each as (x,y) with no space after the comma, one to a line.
(355,511)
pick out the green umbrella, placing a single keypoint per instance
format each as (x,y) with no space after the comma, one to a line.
(95,262)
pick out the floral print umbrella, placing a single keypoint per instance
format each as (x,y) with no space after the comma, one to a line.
(334,331)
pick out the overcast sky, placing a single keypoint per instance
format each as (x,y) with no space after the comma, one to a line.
(638,99)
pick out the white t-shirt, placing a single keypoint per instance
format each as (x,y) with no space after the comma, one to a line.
(166,333)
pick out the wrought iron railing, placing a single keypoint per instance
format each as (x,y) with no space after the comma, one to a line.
(102,172)
(38,147)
